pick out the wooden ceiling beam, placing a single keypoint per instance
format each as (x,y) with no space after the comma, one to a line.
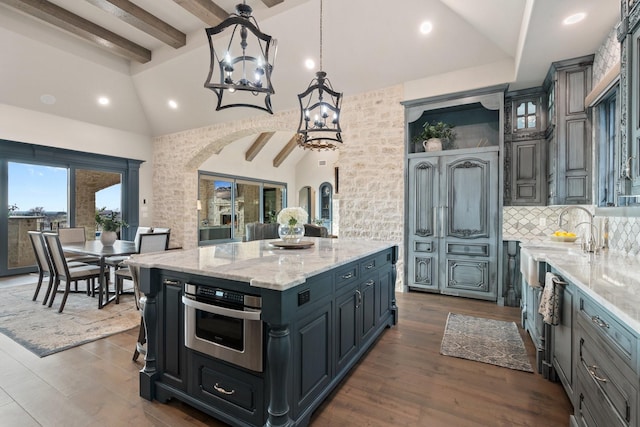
(271,3)
(205,10)
(142,20)
(258,145)
(62,18)
(284,153)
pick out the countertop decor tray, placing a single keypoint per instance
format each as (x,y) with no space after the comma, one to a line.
(303,244)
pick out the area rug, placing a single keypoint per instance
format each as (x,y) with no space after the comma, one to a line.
(44,331)
(485,340)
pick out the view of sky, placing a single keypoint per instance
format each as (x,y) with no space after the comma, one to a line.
(33,186)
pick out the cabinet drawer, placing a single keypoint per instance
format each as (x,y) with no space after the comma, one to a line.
(603,374)
(590,414)
(346,275)
(231,390)
(623,341)
(372,263)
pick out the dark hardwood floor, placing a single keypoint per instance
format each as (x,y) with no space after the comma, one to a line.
(402,381)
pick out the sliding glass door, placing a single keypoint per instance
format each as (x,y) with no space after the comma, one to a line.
(37,200)
(45,188)
(95,190)
(226,204)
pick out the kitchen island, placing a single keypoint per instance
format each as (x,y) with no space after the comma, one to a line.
(308,316)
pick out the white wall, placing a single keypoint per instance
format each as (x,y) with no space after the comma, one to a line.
(309,173)
(20,125)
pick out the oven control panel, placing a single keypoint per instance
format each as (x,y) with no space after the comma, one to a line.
(224,296)
(220,295)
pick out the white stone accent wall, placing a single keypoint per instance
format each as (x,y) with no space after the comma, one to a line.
(372,169)
(371,162)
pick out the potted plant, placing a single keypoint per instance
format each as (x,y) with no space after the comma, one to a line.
(436,136)
(110,224)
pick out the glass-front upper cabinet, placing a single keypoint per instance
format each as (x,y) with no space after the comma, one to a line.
(526,112)
(326,202)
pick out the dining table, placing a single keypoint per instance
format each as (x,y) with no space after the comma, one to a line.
(97,249)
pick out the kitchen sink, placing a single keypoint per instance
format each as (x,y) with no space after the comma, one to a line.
(533,258)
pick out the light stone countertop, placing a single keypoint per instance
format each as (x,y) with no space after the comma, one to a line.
(261,264)
(610,278)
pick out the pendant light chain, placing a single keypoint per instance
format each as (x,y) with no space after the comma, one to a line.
(320,35)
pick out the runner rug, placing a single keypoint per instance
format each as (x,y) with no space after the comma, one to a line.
(44,331)
(485,340)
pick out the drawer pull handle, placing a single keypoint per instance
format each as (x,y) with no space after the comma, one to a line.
(347,276)
(370,266)
(369,283)
(598,321)
(223,391)
(592,371)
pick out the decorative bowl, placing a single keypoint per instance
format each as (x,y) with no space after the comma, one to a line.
(567,239)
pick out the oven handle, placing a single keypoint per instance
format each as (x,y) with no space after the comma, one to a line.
(209,308)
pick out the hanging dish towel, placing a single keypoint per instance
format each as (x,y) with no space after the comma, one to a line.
(550,302)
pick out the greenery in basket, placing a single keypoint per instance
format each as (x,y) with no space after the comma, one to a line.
(441,130)
(109,220)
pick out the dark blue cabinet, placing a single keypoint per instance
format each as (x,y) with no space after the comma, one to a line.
(313,334)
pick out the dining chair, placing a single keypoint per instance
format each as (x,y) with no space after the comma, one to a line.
(75,235)
(114,261)
(149,242)
(312,230)
(43,261)
(63,272)
(140,300)
(260,231)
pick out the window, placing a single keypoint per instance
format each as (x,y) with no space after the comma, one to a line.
(606,131)
(228,203)
(45,188)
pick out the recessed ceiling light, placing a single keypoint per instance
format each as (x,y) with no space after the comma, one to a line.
(575,18)
(103,100)
(310,64)
(426,27)
(173,104)
(48,99)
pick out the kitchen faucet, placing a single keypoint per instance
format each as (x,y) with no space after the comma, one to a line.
(590,245)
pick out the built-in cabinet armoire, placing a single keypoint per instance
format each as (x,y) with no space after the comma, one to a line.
(453,195)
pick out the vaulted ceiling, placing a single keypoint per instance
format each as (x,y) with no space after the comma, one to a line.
(142,53)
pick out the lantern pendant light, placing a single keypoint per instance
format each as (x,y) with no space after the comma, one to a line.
(319,127)
(247,75)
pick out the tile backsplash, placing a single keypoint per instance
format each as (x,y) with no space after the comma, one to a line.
(537,223)
(624,235)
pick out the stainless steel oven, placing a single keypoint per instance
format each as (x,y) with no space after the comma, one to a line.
(224,324)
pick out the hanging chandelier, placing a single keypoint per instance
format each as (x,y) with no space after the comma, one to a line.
(319,127)
(246,76)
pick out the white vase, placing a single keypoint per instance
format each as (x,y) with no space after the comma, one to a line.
(108,238)
(432,144)
(291,233)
